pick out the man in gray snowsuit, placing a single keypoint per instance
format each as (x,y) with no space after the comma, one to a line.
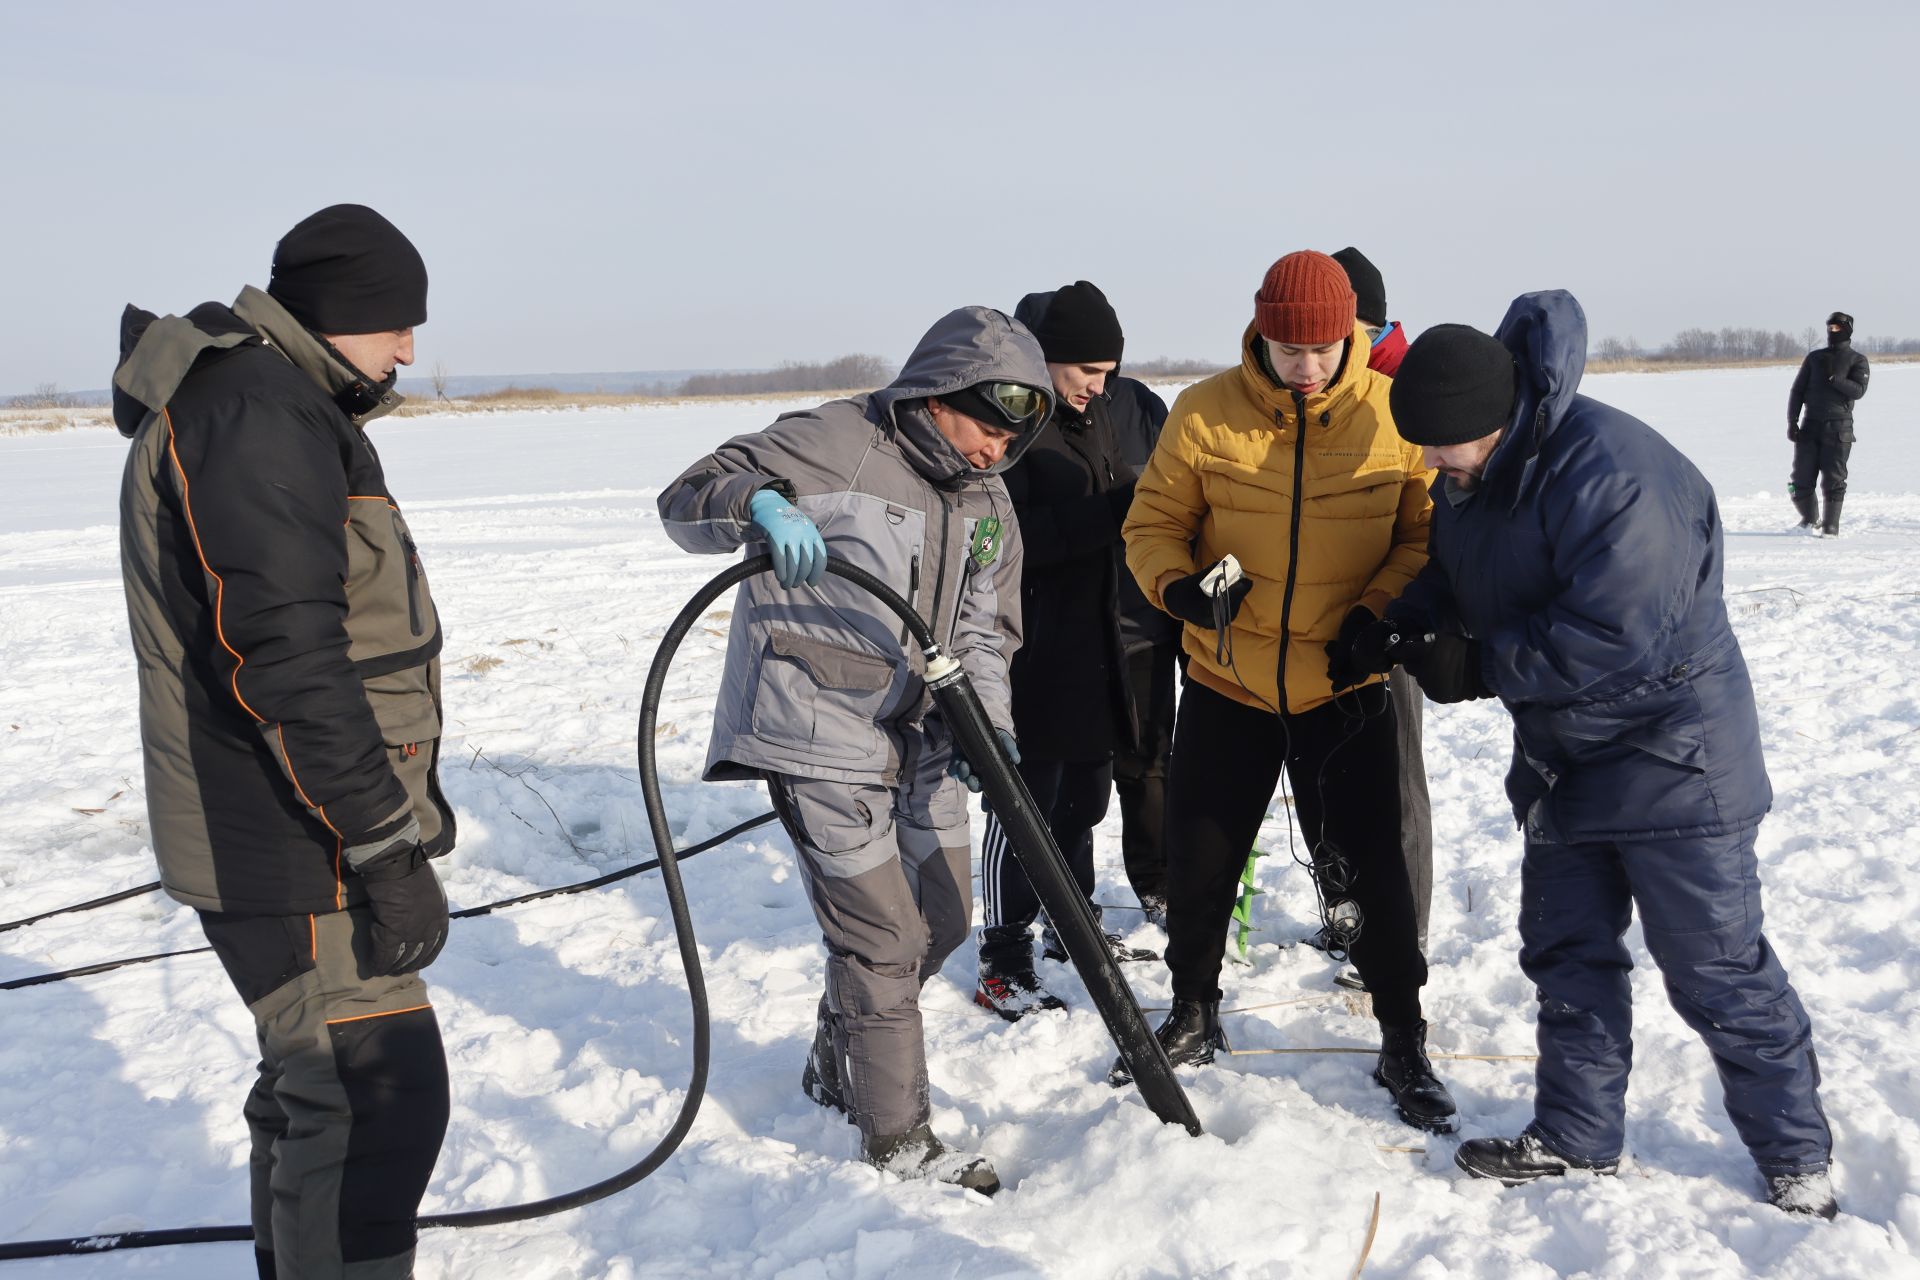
(824,695)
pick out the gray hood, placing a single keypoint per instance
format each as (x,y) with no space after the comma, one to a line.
(964,347)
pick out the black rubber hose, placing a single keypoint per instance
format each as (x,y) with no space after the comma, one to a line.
(135,892)
(466,913)
(689,957)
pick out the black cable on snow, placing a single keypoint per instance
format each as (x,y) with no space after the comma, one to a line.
(89,905)
(466,913)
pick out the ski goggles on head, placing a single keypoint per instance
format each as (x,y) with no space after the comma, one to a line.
(1012,406)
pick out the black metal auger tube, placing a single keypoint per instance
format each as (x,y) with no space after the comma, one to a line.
(1032,842)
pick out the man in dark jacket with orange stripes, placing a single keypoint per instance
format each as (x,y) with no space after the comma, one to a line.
(288,655)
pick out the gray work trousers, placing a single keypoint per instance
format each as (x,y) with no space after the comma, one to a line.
(1416,810)
(888,870)
(350,1104)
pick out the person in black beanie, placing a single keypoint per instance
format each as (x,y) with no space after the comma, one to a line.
(1831,378)
(1388,337)
(289,672)
(1088,690)
(1575,574)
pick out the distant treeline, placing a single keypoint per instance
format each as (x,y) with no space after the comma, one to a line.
(1706,346)
(48,395)
(1164,368)
(858,373)
(848,373)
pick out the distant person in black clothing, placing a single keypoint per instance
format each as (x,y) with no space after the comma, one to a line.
(1072,700)
(1831,378)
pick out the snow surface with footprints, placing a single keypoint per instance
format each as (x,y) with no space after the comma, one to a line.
(566,1021)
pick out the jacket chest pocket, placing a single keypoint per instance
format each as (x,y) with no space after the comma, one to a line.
(419,603)
(820,697)
(389,607)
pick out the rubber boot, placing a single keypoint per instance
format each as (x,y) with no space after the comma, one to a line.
(1807,1191)
(1830,522)
(1809,514)
(1513,1161)
(918,1154)
(1404,1072)
(820,1079)
(1191,1035)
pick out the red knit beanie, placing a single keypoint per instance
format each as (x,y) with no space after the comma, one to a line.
(1305,301)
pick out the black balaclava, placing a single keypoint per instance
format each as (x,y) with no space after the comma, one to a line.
(1845,322)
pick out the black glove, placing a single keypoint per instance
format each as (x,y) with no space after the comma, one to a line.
(1343,668)
(1448,669)
(1186,601)
(409,911)
(1381,646)
(1793,432)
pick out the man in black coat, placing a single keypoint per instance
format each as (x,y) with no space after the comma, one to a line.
(1072,701)
(1831,378)
(288,652)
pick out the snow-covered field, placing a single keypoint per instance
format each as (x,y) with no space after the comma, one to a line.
(565,1020)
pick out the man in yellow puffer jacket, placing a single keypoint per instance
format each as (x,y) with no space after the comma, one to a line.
(1289,463)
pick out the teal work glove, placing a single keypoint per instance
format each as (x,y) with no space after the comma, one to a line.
(799,552)
(960,768)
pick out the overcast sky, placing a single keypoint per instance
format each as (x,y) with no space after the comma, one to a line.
(611,186)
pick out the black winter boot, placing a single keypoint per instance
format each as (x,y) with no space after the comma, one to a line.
(1051,948)
(1191,1035)
(1403,1070)
(1830,522)
(1809,514)
(820,1080)
(1513,1161)
(918,1154)
(1807,1191)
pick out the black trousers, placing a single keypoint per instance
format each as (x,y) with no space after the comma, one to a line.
(1822,451)
(1073,794)
(1140,774)
(1342,760)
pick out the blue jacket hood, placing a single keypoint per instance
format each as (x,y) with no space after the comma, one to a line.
(1547,334)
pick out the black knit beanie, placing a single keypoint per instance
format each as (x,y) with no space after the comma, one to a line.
(1368,288)
(1075,324)
(1455,384)
(1845,322)
(346,269)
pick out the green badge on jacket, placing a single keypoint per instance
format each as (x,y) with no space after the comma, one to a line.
(986,541)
